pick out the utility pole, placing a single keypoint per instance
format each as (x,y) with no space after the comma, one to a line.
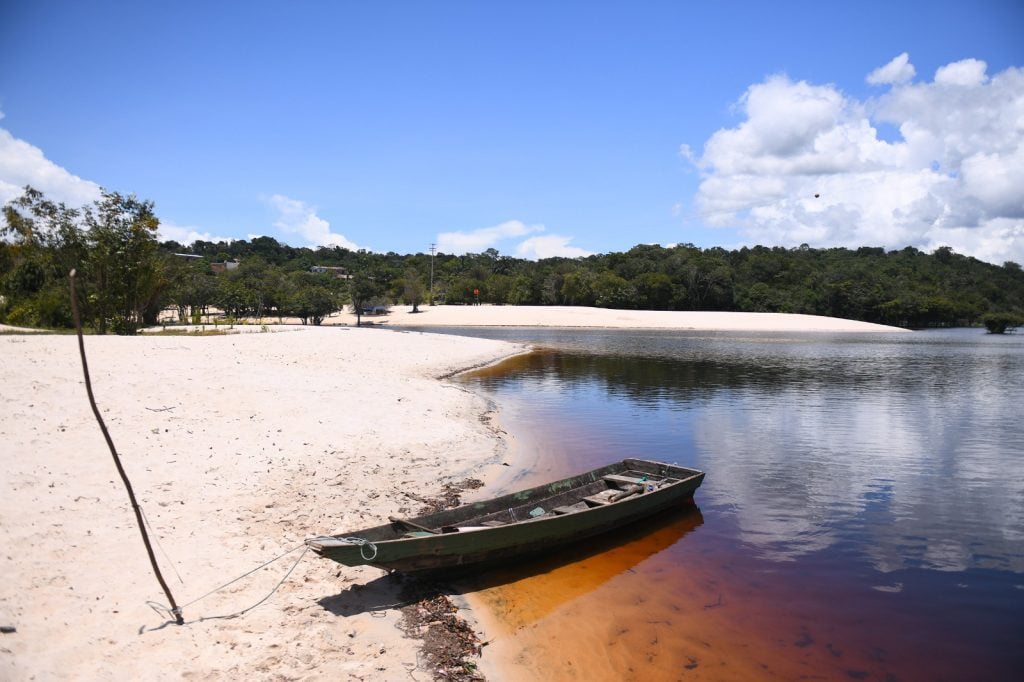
(433,248)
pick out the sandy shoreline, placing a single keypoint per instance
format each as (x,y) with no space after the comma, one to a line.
(594,318)
(239,447)
(577,316)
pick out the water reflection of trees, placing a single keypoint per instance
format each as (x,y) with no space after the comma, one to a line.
(903,450)
(695,374)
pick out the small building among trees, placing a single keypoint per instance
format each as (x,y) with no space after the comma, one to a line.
(334,271)
(224,266)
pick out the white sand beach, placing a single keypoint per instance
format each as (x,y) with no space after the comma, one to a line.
(239,447)
(578,316)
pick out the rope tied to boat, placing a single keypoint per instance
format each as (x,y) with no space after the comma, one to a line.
(177,611)
(363,544)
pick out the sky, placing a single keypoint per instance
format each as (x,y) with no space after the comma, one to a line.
(536,128)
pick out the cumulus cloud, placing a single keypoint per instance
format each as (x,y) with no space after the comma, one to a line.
(807,165)
(899,70)
(185,234)
(298,218)
(968,73)
(549,246)
(477,241)
(533,248)
(24,164)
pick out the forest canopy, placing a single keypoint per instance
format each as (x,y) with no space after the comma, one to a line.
(127,276)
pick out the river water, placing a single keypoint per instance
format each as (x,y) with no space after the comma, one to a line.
(862,515)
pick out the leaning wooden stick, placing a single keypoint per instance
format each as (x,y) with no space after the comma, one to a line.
(117,460)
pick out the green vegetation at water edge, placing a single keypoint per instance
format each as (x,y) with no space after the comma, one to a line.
(1000,323)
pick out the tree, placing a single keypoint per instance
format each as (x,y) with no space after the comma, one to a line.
(412,290)
(653,290)
(577,288)
(233,297)
(194,289)
(124,265)
(259,282)
(1000,323)
(612,291)
(521,290)
(362,290)
(40,242)
(312,297)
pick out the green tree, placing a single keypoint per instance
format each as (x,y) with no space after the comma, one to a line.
(653,290)
(312,297)
(521,290)
(363,290)
(1000,323)
(412,290)
(578,288)
(612,291)
(194,289)
(124,262)
(40,242)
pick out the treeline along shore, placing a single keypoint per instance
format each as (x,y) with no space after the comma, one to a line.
(128,276)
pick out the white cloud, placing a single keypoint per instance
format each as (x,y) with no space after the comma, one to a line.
(533,248)
(807,164)
(967,73)
(549,246)
(184,234)
(297,217)
(478,241)
(899,70)
(24,164)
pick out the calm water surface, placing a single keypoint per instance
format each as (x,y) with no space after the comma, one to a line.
(862,516)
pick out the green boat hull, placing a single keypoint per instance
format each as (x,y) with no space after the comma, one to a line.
(518,524)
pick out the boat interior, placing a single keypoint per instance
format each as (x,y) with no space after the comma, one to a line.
(608,489)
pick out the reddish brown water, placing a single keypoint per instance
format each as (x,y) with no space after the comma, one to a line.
(677,604)
(825,556)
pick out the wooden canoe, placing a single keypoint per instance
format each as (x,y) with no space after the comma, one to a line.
(521,523)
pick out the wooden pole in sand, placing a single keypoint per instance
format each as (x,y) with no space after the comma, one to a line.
(117,460)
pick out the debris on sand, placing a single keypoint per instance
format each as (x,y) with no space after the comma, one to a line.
(449,643)
(451,496)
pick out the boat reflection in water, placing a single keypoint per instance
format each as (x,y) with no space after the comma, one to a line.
(527,591)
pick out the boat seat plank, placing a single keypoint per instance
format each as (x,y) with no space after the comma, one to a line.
(642,474)
(649,476)
(493,524)
(570,508)
(625,480)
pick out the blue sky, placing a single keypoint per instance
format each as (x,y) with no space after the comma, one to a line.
(537,128)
